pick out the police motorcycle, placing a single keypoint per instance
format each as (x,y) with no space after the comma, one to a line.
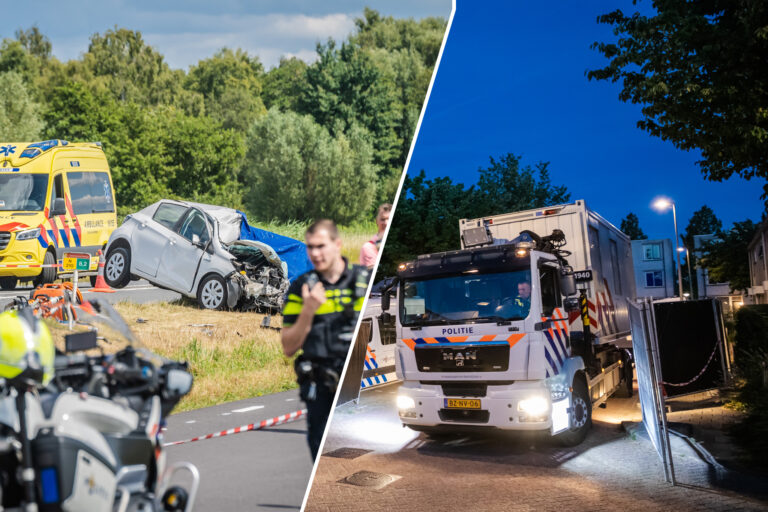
(82,430)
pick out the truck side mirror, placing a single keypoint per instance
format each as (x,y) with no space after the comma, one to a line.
(59,207)
(568,284)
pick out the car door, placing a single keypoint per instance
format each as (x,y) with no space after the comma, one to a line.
(151,236)
(183,252)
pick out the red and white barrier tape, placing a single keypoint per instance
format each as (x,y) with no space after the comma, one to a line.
(23,265)
(272,422)
(697,376)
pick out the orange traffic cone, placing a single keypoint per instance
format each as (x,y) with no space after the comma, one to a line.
(101,285)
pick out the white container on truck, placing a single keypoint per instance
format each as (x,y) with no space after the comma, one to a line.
(524,328)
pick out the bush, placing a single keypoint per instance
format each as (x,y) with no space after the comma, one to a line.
(751,341)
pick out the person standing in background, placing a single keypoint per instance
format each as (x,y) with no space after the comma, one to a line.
(370,249)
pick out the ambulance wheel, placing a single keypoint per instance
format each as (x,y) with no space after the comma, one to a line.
(48,275)
(8,283)
(117,269)
(212,293)
(581,416)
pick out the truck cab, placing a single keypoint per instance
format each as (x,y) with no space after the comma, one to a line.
(55,196)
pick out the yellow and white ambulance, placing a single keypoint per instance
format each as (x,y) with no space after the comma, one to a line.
(55,197)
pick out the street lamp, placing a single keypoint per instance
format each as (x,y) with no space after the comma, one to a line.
(688,259)
(662,204)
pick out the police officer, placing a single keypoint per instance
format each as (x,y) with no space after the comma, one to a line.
(520,305)
(319,317)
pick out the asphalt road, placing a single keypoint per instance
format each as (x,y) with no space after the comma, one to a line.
(371,462)
(137,291)
(258,470)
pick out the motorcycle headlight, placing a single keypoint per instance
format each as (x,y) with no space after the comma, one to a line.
(28,234)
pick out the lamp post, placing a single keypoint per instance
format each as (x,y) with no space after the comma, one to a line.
(662,204)
(688,259)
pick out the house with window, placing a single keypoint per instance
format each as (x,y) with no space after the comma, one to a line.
(654,268)
(757,293)
(708,289)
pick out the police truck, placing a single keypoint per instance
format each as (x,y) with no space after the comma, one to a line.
(525,328)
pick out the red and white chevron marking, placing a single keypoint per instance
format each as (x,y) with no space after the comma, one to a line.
(272,422)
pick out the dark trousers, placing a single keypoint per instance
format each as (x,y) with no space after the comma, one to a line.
(317,416)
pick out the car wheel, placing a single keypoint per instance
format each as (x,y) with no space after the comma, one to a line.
(581,416)
(117,269)
(212,293)
(8,283)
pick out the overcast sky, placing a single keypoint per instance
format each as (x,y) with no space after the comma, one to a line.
(186,31)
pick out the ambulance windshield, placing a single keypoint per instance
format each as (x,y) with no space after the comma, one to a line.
(23,192)
(466,298)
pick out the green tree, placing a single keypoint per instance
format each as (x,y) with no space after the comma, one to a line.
(342,89)
(726,259)
(630,226)
(282,84)
(35,42)
(121,63)
(20,116)
(295,170)
(698,69)
(702,222)
(506,186)
(230,83)
(424,36)
(426,219)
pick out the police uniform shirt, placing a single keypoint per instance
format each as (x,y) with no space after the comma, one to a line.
(343,302)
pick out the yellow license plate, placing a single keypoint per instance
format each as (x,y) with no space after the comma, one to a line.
(462,403)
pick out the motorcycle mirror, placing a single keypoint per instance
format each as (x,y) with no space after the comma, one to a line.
(178,382)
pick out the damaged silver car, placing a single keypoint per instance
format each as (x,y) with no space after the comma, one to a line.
(195,249)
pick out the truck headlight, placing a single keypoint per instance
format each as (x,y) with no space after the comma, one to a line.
(405,402)
(535,406)
(29,234)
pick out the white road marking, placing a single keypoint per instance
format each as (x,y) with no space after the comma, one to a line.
(191,421)
(226,413)
(290,399)
(251,408)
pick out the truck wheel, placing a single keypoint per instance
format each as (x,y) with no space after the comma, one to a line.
(581,416)
(212,293)
(8,283)
(117,269)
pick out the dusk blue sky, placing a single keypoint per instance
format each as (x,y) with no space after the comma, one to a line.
(512,79)
(185,31)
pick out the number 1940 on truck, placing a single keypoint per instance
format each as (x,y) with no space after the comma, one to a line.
(524,328)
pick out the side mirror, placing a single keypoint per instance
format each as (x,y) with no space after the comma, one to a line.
(568,284)
(59,207)
(178,382)
(571,304)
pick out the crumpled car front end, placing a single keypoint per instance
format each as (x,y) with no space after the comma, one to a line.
(259,281)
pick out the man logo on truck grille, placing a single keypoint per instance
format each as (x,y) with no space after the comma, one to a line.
(459,358)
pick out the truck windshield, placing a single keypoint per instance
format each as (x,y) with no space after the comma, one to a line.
(466,298)
(23,192)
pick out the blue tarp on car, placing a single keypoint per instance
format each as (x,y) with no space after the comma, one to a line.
(292,252)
